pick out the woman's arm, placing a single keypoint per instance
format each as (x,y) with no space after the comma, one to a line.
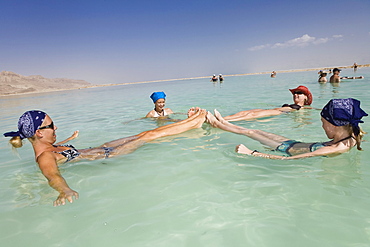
(49,169)
(73,136)
(324,151)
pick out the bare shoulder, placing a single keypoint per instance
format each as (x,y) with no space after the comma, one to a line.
(150,114)
(168,111)
(46,158)
(333,150)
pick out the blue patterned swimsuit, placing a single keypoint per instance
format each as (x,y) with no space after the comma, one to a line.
(70,154)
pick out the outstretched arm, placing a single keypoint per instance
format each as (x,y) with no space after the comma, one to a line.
(49,169)
(73,136)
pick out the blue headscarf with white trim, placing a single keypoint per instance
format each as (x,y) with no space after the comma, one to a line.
(340,112)
(28,123)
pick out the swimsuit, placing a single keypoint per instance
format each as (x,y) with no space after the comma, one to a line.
(317,145)
(157,115)
(293,106)
(70,154)
(286,145)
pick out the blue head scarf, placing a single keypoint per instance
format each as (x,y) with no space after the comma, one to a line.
(157,95)
(340,112)
(28,123)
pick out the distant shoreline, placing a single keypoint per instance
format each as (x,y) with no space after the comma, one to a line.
(257,73)
(180,79)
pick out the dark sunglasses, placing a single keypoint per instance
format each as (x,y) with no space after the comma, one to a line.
(298,92)
(50,126)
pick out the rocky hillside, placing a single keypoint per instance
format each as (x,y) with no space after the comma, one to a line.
(12,83)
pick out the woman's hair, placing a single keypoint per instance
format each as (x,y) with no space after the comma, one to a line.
(16,142)
(358,137)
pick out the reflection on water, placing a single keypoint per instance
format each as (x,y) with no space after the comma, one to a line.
(191,189)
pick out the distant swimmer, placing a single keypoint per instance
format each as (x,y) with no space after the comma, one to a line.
(322,76)
(335,77)
(220,77)
(355,67)
(352,77)
(273,74)
(214,78)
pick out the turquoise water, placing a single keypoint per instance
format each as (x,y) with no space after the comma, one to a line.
(191,189)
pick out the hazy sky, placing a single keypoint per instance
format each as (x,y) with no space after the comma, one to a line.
(133,40)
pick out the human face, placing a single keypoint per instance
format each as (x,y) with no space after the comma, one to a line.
(48,129)
(159,104)
(337,72)
(299,98)
(328,128)
(50,126)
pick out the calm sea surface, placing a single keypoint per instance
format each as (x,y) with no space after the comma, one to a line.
(191,189)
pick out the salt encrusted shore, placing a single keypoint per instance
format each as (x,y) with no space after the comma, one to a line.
(14,84)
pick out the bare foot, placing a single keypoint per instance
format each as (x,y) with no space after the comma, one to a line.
(241,149)
(201,118)
(211,119)
(192,111)
(219,117)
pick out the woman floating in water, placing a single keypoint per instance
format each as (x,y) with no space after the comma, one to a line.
(302,97)
(39,129)
(340,119)
(159,100)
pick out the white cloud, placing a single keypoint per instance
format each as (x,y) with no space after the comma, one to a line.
(259,47)
(300,42)
(303,41)
(320,41)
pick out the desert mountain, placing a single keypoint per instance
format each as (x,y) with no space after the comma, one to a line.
(12,83)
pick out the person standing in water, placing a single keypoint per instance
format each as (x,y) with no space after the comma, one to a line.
(335,77)
(214,78)
(322,76)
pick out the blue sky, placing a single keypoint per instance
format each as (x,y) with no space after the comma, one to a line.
(131,41)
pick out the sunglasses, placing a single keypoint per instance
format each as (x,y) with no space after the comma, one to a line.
(298,92)
(50,126)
